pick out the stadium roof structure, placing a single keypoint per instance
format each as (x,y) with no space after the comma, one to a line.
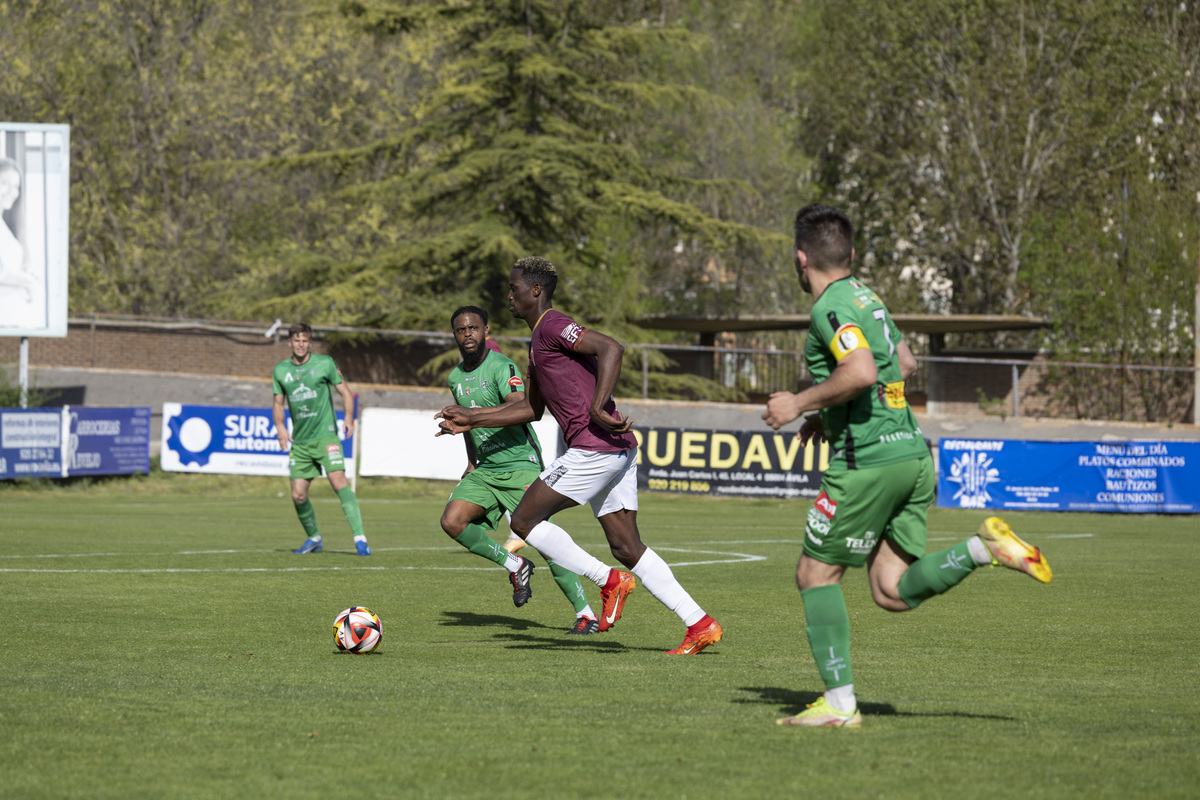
(917,323)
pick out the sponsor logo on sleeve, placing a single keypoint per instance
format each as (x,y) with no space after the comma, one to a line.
(846,340)
(515,381)
(572,332)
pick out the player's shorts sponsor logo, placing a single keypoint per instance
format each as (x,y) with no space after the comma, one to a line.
(552,477)
(515,381)
(816,524)
(824,505)
(334,451)
(847,339)
(864,545)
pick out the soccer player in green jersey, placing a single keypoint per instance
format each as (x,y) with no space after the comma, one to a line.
(873,498)
(501,463)
(306,382)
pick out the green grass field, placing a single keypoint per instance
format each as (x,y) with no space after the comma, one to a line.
(162,641)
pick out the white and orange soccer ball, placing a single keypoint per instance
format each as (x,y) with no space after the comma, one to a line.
(357,630)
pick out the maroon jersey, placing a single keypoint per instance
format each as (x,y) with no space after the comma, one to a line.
(567,381)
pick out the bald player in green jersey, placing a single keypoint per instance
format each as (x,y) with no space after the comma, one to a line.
(501,463)
(306,382)
(871,507)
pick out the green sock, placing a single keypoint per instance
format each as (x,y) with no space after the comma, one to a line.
(569,583)
(935,573)
(308,518)
(828,633)
(350,507)
(475,538)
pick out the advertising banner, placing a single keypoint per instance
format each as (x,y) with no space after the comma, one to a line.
(402,443)
(738,463)
(1134,477)
(34,204)
(229,440)
(108,441)
(69,441)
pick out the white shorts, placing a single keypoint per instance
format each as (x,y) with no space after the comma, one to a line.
(606,480)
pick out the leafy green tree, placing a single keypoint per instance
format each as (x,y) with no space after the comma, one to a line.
(948,127)
(524,142)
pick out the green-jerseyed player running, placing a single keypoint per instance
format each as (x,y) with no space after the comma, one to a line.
(306,382)
(501,463)
(873,498)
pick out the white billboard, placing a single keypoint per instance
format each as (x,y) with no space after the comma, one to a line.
(401,442)
(34,204)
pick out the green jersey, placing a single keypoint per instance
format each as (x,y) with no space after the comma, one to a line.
(309,391)
(492,380)
(877,427)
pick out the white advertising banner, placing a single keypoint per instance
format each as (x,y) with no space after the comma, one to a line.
(34,202)
(401,443)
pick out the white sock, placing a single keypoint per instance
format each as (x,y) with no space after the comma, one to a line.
(512,563)
(557,545)
(842,698)
(659,581)
(587,612)
(979,551)
(360,538)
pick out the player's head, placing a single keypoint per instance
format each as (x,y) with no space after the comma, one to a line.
(824,240)
(300,341)
(476,310)
(470,327)
(531,285)
(297,328)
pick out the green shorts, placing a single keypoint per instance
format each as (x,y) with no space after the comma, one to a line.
(307,459)
(494,492)
(858,506)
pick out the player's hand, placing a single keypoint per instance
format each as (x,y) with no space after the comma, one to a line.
(782,408)
(613,423)
(285,441)
(348,428)
(811,429)
(454,419)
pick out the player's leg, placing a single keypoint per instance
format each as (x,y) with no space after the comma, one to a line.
(568,583)
(615,507)
(841,531)
(531,521)
(334,463)
(472,511)
(827,625)
(301,470)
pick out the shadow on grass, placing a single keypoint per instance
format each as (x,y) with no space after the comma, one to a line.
(515,632)
(792,702)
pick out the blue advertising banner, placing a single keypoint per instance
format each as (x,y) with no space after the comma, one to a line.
(738,463)
(1134,477)
(108,441)
(68,441)
(228,439)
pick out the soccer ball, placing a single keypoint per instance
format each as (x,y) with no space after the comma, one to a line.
(357,630)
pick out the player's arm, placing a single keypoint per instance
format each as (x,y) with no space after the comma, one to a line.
(908,362)
(608,352)
(280,423)
(347,406)
(456,419)
(853,375)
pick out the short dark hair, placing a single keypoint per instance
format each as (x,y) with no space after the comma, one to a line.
(468,310)
(825,234)
(538,270)
(299,327)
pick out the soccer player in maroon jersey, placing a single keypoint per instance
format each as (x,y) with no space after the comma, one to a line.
(572,371)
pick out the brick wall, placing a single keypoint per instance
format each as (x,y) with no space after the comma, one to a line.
(231,351)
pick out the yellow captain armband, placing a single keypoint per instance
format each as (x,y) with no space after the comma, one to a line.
(846,340)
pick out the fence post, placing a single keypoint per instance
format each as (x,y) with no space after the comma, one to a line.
(645,373)
(1016,391)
